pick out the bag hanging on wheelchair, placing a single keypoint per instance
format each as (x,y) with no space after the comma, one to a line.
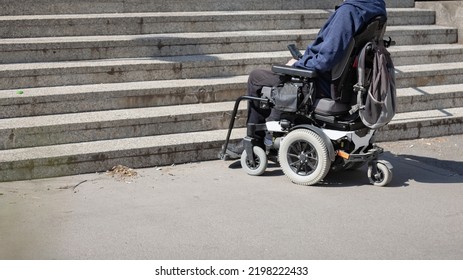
(291,96)
(376,99)
(286,97)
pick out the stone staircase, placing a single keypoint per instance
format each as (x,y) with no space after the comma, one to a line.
(86,85)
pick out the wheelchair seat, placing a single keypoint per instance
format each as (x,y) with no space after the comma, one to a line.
(329,107)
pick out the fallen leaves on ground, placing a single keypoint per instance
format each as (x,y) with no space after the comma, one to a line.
(122,172)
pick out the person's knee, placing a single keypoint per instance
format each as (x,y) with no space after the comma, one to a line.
(255,75)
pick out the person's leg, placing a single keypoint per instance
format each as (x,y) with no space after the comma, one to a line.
(258,79)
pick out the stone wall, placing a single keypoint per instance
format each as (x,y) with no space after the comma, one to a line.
(449,13)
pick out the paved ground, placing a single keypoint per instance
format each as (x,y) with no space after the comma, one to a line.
(212,210)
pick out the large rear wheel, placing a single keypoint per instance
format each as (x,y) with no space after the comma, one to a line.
(304,157)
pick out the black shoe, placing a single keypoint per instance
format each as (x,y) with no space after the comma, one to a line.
(234,151)
(272,154)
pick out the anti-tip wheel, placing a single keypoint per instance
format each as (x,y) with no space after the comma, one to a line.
(260,162)
(382,175)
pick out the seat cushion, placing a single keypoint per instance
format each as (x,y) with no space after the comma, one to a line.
(328,107)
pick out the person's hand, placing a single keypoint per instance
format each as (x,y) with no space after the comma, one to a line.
(291,62)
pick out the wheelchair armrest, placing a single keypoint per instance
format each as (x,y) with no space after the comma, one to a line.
(292,71)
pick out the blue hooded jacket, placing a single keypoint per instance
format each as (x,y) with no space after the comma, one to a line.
(334,37)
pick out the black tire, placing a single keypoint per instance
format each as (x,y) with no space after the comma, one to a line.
(382,177)
(304,157)
(260,164)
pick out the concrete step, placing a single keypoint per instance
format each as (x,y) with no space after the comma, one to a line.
(424,54)
(41,74)
(429,74)
(175,22)
(96,97)
(30,75)
(424,98)
(103,125)
(423,124)
(89,157)
(173,44)
(115,124)
(98,156)
(43,7)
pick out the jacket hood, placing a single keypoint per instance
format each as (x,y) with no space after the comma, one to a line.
(370,5)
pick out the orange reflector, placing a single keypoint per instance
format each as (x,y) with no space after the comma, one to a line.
(343,154)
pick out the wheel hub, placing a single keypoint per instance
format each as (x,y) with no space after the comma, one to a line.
(303,157)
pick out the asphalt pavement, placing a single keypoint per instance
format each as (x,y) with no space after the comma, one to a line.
(213,210)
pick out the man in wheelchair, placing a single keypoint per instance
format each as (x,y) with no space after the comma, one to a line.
(314,91)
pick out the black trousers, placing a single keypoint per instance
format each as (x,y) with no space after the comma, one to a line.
(257,80)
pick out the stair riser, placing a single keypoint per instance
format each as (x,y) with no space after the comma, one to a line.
(14,7)
(429,79)
(213,22)
(427,101)
(416,130)
(141,25)
(429,58)
(96,101)
(201,45)
(148,48)
(86,132)
(21,79)
(101,162)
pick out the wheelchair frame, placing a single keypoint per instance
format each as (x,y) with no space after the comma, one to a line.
(337,149)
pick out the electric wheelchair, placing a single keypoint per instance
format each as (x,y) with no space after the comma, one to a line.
(316,135)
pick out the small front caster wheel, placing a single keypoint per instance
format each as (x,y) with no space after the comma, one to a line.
(379,173)
(259,165)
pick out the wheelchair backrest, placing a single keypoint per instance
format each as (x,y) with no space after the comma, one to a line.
(344,74)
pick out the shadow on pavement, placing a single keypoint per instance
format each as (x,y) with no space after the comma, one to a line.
(406,168)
